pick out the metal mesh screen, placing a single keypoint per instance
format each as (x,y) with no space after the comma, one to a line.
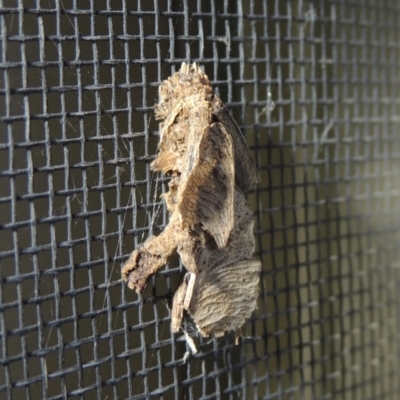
(314,86)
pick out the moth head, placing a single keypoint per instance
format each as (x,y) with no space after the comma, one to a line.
(190,82)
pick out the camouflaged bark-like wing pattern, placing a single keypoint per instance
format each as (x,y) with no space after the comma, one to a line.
(246,173)
(206,193)
(226,286)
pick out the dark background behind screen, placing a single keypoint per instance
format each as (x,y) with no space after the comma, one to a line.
(314,86)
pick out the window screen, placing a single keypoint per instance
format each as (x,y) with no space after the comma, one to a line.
(314,86)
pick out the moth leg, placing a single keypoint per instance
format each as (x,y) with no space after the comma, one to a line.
(181,300)
(178,306)
(189,290)
(238,335)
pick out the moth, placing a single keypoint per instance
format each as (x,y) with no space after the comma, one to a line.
(210,222)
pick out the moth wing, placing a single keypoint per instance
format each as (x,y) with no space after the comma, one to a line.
(208,182)
(226,287)
(241,242)
(246,174)
(223,298)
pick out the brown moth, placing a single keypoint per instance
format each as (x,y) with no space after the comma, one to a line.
(211,223)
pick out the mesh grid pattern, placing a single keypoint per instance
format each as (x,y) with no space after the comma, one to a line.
(314,86)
